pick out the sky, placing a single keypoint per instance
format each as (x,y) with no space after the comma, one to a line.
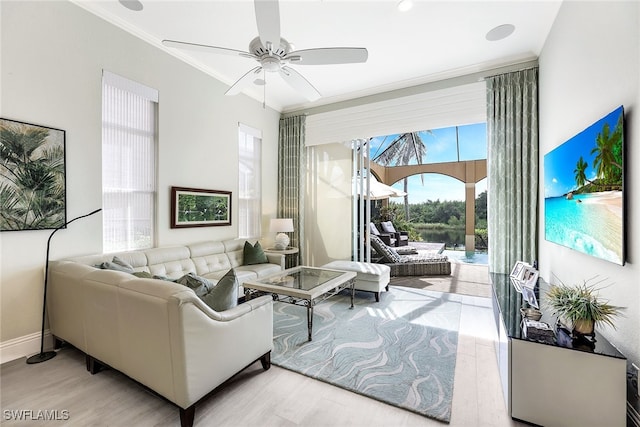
(441,147)
(560,163)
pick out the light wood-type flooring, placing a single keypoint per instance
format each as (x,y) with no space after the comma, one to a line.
(276,397)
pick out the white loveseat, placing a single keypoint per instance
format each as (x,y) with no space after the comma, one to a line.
(158,332)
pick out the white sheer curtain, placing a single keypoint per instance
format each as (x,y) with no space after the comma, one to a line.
(129,135)
(249,179)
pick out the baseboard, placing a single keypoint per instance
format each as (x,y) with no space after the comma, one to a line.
(24,346)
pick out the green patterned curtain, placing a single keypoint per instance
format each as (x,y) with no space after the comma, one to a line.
(291,176)
(512,164)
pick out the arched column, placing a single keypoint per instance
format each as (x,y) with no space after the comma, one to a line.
(470,217)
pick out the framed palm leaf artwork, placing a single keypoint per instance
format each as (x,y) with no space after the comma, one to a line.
(32,176)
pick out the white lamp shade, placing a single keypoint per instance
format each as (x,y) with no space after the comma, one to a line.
(281,225)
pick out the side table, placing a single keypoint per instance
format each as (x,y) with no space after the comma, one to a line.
(290,253)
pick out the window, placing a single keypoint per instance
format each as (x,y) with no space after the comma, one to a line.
(249,182)
(129,139)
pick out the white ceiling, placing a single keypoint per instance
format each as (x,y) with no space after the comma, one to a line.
(432,41)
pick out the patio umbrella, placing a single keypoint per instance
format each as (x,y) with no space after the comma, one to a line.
(378,190)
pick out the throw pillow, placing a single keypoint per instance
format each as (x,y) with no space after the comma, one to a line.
(388,254)
(142,274)
(387,227)
(109,265)
(253,254)
(373,229)
(224,294)
(122,263)
(200,285)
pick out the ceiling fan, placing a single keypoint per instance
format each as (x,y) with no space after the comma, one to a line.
(274,53)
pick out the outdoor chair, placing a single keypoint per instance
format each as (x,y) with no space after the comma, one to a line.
(401,237)
(388,238)
(410,265)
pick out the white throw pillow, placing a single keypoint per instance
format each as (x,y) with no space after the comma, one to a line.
(388,227)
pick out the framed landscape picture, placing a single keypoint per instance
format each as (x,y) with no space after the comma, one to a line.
(194,207)
(32,176)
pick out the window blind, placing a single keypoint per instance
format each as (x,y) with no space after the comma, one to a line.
(129,135)
(249,182)
(454,106)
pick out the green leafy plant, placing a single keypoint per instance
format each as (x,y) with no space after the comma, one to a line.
(581,305)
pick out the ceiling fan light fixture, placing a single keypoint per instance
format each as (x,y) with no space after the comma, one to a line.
(405,5)
(500,32)
(134,5)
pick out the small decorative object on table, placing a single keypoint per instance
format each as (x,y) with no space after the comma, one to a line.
(538,331)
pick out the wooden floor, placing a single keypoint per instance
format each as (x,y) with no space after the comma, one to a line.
(255,397)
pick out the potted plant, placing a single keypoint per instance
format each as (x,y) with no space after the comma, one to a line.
(580,308)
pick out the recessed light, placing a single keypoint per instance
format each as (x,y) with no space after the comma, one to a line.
(134,5)
(500,32)
(404,5)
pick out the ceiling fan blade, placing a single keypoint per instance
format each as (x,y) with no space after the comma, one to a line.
(243,81)
(268,21)
(328,55)
(299,83)
(206,48)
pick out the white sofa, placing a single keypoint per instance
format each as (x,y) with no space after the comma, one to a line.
(158,332)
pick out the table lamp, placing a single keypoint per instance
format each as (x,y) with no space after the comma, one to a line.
(281,226)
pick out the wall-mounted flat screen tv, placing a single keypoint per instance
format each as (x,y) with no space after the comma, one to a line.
(583,190)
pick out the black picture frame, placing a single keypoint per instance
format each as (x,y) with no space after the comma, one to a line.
(196,207)
(33,186)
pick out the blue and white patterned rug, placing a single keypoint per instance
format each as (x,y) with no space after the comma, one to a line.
(401,351)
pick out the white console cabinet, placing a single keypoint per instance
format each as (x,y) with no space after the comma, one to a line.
(549,384)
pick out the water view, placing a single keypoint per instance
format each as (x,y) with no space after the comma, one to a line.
(454,246)
(589,223)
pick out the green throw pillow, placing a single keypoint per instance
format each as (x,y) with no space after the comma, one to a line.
(200,285)
(224,294)
(253,254)
(142,274)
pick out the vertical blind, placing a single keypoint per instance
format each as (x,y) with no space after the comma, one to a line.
(129,135)
(249,179)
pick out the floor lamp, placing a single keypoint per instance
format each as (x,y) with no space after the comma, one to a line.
(44,356)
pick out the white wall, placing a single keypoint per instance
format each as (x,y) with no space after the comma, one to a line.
(53,54)
(590,65)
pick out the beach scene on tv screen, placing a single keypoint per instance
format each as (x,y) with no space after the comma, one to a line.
(583,191)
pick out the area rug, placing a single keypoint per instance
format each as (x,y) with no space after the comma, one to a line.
(401,351)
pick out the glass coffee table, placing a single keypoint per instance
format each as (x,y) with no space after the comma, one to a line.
(304,286)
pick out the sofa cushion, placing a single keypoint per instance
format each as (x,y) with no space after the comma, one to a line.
(224,294)
(253,254)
